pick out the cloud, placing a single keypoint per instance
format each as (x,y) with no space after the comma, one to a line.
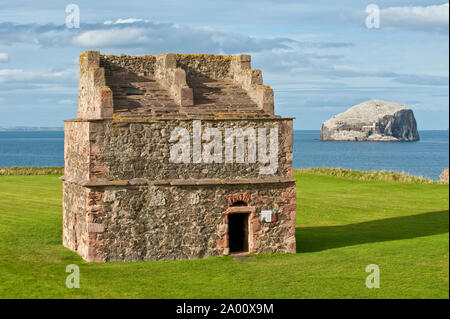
(435,17)
(19,75)
(129,20)
(148,36)
(44,35)
(342,71)
(137,34)
(4,57)
(23,82)
(419,79)
(326,45)
(112,38)
(294,61)
(334,67)
(66,102)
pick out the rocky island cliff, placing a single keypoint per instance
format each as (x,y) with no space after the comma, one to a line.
(373,120)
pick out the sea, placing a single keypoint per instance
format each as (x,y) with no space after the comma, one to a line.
(426,158)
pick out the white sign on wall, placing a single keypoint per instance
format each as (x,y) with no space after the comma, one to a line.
(266,215)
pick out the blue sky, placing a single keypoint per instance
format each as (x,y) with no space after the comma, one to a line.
(319,57)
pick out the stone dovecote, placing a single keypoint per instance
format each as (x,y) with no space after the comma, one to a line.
(133,191)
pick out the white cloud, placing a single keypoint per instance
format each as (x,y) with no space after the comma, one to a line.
(124,21)
(294,61)
(333,66)
(157,37)
(150,37)
(434,17)
(4,57)
(15,75)
(23,82)
(66,102)
(19,75)
(139,34)
(111,38)
(129,20)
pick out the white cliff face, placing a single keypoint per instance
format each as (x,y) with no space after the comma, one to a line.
(373,120)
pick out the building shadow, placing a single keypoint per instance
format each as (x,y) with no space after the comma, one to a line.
(310,239)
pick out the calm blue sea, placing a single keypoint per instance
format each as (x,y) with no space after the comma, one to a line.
(427,157)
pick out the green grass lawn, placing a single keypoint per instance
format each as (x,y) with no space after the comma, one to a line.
(343,225)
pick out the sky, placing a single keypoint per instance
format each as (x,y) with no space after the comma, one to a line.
(320,57)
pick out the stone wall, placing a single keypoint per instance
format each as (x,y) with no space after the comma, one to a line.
(205,65)
(173,70)
(252,81)
(202,65)
(74,216)
(124,151)
(80,210)
(141,65)
(443,178)
(159,222)
(173,79)
(237,68)
(95,100)
(76,150)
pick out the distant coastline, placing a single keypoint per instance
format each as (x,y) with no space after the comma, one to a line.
(29,129)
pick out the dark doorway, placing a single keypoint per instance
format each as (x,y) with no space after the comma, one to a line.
(238,232)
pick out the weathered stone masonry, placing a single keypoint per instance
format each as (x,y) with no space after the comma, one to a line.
(124,200)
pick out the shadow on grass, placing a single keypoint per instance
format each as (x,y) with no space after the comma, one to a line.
(310,239)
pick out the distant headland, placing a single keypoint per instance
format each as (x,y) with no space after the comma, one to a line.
(29,128)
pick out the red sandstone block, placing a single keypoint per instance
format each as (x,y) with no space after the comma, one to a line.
(289,193)
(90,218)
(98,169)
(95,243)
(95,228)
(95,195)
(291,248)
(289,208)
(243,197)
(222,243)
(240,209)
(256,225)
(293,215)
(93,256)
(95,209)
(92,237)
(106,93)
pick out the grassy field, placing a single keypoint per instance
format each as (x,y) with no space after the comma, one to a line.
(343,225)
